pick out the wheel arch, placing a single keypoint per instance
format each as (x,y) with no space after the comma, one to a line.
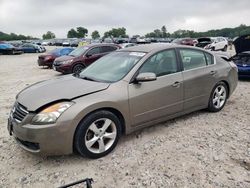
(228,87)
(110,109)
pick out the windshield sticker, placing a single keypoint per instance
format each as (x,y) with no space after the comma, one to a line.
(138,54)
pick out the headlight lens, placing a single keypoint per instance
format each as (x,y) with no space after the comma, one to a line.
(67,62)
(51,113)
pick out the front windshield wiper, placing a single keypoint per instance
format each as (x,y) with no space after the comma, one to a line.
(88,78)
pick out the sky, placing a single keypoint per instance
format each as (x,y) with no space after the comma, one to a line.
(36,17)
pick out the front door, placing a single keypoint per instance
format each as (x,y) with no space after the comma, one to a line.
(160,98)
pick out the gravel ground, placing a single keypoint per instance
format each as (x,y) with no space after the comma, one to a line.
(197,150)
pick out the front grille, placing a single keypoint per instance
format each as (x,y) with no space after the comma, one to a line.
(19,112)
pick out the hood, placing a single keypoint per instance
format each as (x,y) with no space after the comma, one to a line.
(203,42)
(63,88)
(242,44)
(204,39)
(64,58)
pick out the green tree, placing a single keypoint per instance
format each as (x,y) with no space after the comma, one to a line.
(13,36)
(164,31)
(72,34)
(95,34)
(49,35)
(82,32)
(116,32)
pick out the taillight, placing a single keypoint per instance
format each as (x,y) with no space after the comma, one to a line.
(232,64)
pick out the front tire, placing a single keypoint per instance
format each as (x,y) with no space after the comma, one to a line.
(97,134)
(218,97)
(77,69)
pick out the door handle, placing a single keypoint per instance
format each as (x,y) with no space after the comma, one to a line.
(176,84)
(212,72)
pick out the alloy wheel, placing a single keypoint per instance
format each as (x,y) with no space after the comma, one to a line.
(219,96)
(100,135)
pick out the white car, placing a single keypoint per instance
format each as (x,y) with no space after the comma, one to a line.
(213,43)
(126,45)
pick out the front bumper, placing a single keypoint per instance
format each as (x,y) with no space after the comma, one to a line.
(65,69)
(52,139)
(41,62)
(243,71)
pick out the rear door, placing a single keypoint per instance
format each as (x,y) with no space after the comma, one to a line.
(160,98)
(199,77)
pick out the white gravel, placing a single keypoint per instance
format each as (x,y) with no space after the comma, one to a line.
(198,150)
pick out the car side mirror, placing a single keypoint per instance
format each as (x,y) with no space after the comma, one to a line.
(146,77)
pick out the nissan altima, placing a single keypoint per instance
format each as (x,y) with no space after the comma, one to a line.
(121,92)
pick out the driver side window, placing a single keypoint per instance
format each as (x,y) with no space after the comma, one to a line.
(94,51)
(161,64)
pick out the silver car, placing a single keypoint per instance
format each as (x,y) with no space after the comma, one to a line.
(122,92)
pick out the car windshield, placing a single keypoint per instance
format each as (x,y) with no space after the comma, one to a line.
(55,52)
(78,51)
(112,67)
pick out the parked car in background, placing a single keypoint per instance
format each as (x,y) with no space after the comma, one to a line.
(75,42)
(213,43)
(184,41)
(58,42)
(82,57)
(242,57)
(6,48)
(66,43)
(48,59)
(32,48)
(126,45)
(120,93)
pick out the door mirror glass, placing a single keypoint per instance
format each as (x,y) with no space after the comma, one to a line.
(146,77)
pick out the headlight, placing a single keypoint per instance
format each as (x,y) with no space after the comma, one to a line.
(67,62)
(51,113)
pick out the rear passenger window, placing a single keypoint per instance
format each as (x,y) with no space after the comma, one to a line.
(192,59)
(209,58)
(108,49)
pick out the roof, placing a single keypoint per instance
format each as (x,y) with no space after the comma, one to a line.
(155,47)
(99,44)
(149,47)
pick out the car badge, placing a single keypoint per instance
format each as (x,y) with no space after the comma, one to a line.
(244,65)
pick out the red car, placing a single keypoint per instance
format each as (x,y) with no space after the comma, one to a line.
(48,59)
(81,57)
(184,41)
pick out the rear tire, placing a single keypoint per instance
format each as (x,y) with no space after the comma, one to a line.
(97,134)
(218,97)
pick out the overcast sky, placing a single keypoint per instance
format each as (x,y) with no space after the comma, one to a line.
(36,17)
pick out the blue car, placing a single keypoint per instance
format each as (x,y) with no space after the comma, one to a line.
(242,57)
(32,48)
(48,59)
(6,48)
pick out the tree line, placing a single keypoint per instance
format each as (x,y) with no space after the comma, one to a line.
(82,32)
